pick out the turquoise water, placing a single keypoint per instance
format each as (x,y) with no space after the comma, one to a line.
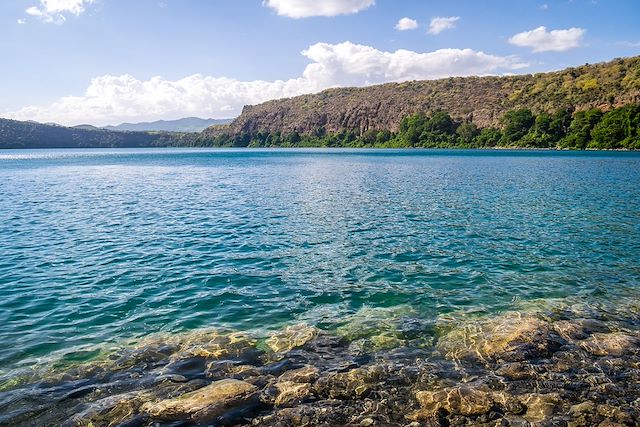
(99,246)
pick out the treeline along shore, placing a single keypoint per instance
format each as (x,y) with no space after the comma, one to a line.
(588,107)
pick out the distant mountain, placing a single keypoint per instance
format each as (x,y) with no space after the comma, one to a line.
(86,127)
(188,124)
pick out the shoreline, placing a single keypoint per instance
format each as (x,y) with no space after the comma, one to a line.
(535,149)
(547,363)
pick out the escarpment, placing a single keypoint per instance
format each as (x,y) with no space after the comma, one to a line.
(482,100)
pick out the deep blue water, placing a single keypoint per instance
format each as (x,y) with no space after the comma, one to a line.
(98,246)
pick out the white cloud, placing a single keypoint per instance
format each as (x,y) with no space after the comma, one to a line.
(56,10)
(307,8)
(114,99)
(440,23)
(405,24)
(21,21)
(541,40)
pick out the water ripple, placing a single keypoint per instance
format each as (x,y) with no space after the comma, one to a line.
(102,245)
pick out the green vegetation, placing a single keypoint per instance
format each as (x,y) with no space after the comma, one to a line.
(16,134)
(618,128)
(591,129)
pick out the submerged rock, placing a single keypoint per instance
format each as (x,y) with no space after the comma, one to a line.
(513,336)
(218,345)
(463,400)
(202,404)
(306,374)
(352,384)
(540,407)
(289,392)
(295,385)
(613,344)
(514,369)
(291,337)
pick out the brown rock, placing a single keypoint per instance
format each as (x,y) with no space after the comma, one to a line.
(203,403)
(490,337)
(613,344)
(587,407)
(463,400)
(351,384)
(289,392)
(291,337)
(540,407)
(306,374)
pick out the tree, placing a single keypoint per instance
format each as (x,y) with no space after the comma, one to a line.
(440,122)
(488,137)
(560,123)
(382,137)
(411,128)
(467,133)
(579,134)
(516,125)
(617,129)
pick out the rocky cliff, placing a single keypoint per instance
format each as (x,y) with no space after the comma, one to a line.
(484,100)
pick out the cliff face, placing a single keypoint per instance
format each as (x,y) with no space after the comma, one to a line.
(484,100)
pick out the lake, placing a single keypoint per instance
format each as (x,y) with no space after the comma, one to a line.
(103,249)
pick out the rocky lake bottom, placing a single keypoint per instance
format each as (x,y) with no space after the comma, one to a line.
(560,363)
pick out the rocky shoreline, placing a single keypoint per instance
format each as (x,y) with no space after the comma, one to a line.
(575,365)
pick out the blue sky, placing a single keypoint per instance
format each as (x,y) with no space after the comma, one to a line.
(108,61)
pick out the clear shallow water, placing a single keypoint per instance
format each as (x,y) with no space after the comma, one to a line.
(102,246)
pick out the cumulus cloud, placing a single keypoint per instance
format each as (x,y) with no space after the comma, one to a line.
(405,24)
(440,23)
(114,99)
(541,40)
(56,10)
(306,8)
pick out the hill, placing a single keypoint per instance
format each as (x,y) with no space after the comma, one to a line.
(17,134)
(481,101)
(188,124)
(591,106)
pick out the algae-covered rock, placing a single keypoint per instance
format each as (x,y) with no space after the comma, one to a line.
(582,408)
(516,370)
(291,337)
(385,341)
(204,403)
